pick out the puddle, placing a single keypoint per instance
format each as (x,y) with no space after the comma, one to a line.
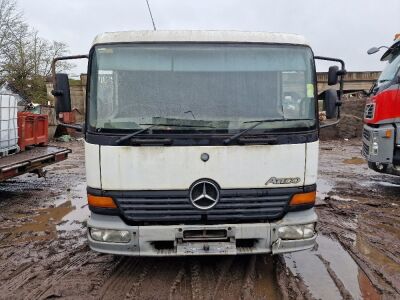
(354,161)
(68,214)
(323,188)
(388,184)
(313,267)
(80,212)
(338,198)
(370,183)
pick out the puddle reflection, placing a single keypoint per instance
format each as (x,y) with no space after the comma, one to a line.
(315,274)
(69,213)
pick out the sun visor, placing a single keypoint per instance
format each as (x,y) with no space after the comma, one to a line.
(391,51)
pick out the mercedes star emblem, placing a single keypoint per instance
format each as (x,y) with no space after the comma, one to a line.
(204,194)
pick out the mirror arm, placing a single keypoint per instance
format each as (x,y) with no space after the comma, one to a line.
(55,60)
(329,124)
(341,73)
(77,127)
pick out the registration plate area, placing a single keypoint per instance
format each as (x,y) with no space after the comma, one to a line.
(204,248)
(206,241)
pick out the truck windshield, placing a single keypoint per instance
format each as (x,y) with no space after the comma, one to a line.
(391,68)
(201,87)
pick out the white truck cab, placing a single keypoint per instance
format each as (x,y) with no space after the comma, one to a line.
(201,142)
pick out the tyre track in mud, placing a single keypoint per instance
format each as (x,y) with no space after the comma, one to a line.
(249,278)
(18,279)
(34,271)
(120,281)
(44,290)
(217,277)
(339,284)
(178,280)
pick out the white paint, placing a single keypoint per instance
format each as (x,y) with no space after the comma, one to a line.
(169,168)
(92,160)
(199,36)
(311,171)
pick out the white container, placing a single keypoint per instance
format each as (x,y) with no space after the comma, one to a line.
(8,124)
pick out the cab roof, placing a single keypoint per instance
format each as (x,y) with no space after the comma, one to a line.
(198,36)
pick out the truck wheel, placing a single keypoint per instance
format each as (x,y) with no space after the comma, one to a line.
(377,167)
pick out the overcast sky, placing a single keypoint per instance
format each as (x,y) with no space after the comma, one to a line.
(338,28)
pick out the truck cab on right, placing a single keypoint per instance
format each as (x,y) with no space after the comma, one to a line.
(381,133)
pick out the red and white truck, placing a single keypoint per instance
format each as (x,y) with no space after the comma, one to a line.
(381,134)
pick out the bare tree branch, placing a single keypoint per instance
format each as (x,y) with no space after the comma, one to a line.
(25,57)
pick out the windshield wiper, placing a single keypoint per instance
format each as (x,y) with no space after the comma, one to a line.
(181,125)
(257,123)
(130,135)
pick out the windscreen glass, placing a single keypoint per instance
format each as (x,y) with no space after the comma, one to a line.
(201,87)
(391,68)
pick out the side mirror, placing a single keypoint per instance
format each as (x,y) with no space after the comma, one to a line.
(62,94)
(398,79)
(331,103)
(372,50)
(333,75)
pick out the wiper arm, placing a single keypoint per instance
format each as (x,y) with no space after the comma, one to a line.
(129,136)
(257,123)
(181,125)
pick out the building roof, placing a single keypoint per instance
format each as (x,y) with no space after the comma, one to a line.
(199,36)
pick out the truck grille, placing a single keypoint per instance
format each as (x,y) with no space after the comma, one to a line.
(366,134)
(234,205)
(369,111)
(365,150)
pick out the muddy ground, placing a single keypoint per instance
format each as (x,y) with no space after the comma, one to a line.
(44,254)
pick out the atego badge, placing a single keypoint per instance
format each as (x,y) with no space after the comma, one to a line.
(285,180)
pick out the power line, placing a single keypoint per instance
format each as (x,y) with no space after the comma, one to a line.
(151,15)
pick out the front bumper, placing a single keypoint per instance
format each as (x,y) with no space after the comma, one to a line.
(245,238)
(377,147)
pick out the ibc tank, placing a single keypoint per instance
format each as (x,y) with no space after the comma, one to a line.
(8,124)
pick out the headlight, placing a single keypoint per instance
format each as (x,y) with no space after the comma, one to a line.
(375,145)
(296,232)
(309,231)
(110,235)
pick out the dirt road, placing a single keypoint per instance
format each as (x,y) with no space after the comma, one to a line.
(43,251)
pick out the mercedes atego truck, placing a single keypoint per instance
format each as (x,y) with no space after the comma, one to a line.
(201,142)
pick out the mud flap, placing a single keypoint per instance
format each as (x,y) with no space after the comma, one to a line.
(206,248)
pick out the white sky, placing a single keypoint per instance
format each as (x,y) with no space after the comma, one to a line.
(340,28)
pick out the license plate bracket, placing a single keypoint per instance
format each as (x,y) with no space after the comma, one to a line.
(206,248)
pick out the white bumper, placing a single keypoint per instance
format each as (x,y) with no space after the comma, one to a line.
(245,238)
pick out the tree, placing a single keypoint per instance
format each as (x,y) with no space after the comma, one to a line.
(25,58)
(10,18)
